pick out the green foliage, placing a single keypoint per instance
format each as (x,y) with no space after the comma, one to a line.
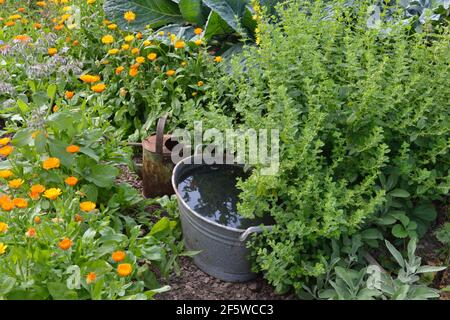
(372,282)
(352,103)
(216,17)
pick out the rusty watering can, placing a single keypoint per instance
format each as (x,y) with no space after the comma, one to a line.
(157,163)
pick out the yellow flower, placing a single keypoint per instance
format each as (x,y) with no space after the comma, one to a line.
(140,59)
(218,59)
(3,227)
(152,56)
(52,193)
(2,248)
(179,44)
(87,78)
(112,26)
(200,83)
(198,42)
(124,269)
(113,51)
(90,1)
(51,163)
(52,51)
(135,51)
(129,38)
(87,206)
(16,183)
(129,16)
(125,46)
(147,43)
(108,39)
(6,174)
(98,87)
(41,4)
(198,31)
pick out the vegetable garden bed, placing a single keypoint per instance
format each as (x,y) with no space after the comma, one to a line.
(356,189)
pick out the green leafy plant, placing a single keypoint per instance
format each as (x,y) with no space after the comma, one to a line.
(216,17)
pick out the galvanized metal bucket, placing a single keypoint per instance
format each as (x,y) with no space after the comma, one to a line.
(223,252)
(157,164)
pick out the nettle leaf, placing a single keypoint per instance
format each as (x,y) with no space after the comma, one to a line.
(154,13)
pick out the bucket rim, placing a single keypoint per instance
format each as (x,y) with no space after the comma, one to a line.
(196,214)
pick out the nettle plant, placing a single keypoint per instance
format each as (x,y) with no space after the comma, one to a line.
(352,103)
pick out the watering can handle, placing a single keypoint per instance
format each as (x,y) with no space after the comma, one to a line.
(251,230)
(160,134)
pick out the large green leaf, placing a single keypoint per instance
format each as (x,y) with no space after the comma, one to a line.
(103,175)
(231,11)
(154,13)
(194,11)
(216,26)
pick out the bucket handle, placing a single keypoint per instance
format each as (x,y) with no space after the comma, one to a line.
(160,133)
(251,230)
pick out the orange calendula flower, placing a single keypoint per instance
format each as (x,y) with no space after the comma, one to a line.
(135,51)
(3,227)
(52,193)
(118,256)
(200,83)
(78,218)
(198,31)
(51,163)
(73,148)
(31,233)
(37,220)
(119,70)
(91,277)
(170,73)
(5,141)
(152,56)
(124,269)
(37,25)
(8,206)
(87,78)
(140,59)
(87,206)
(69,94)
(37,188)
(41,3)
(98,87)
(71,181)
(20,203)
(129,16)
(16,183)
(65,244)
(52,51)
(133,72)
(6,174)
(75,43)
(179,44)
(6,150)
